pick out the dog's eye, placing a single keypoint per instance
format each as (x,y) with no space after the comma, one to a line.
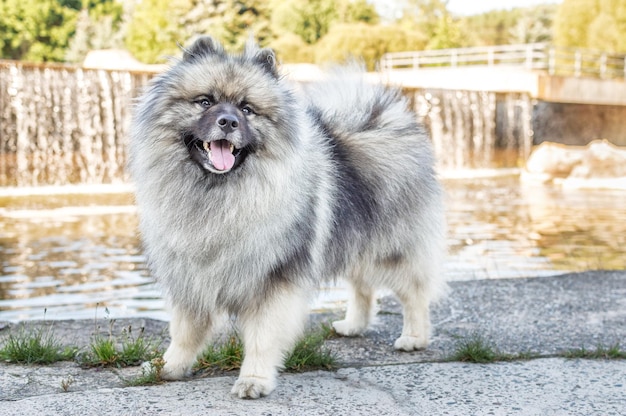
(246,109)
(204,102)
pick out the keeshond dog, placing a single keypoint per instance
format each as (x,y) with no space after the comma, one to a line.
(251,191)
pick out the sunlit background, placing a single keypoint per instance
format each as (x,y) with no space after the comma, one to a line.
(512,92)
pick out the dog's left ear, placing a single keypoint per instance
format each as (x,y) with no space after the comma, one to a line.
(203,46)
(265,57)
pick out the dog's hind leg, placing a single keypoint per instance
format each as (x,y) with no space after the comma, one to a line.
(359,308)
(189,335)
(415,301)
(269,334)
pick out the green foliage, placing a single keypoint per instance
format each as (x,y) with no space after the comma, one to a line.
(594,24)
(290,48)
(367,42)
(474,350)
(447,34)
(131,350)
(312,20)
(308,19)
(156,28)
(150,374)
(230,21)
(226,356)
(308,354)
(519,25)
(98,26)
(35,30)
(614,352)
(38,347)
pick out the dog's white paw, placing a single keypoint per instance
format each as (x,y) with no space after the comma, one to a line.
(174,371)
(347,328)
(253,387)
(405,343)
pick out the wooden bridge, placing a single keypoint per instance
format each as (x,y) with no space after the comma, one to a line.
(546,72)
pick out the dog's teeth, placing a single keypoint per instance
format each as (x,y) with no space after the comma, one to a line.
(232,147)
(206,146)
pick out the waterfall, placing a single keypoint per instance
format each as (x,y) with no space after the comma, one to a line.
(66,125)
(476,129)
(63,125)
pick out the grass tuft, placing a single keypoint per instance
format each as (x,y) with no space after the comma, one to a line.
(150,374)
(130,350)
(614,352)
(308,354)
(474,350)
(35,347)
(226,356)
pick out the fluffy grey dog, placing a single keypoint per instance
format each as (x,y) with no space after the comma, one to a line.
(250,194)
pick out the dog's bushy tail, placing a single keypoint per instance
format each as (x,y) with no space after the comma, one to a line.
(351,102)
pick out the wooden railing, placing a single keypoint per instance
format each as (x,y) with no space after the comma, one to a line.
(533,56)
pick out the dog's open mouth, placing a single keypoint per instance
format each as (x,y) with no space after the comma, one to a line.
(217,156)
(221,154)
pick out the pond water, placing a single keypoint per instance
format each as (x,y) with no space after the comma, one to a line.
(77,255)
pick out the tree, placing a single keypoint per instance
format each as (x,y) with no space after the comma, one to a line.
(308,19)
(156,29)
(360,41)
(98,26)
(230,21)
(595,24)
(607,31)
(572,21)
(35,30)
(534,24)
(433,20)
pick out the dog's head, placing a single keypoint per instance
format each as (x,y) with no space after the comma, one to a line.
(223,108)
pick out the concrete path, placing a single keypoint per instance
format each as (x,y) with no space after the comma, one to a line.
(543,316)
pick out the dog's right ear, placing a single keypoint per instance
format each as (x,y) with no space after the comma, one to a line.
(203,46)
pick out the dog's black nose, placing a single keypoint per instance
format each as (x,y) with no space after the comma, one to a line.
(227,122)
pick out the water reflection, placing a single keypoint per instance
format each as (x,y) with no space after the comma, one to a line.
(74,255)
(500,228)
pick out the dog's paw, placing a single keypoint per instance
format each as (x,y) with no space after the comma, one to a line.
(347,328)
(173,371)
(253,387)
(406,343)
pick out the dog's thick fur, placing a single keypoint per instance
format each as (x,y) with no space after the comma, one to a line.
(337,181)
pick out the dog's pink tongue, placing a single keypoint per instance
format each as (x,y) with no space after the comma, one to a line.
(221,157)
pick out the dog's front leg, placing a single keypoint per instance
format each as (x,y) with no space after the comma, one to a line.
(269,333)
(189,333)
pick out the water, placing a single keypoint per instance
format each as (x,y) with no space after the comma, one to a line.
(69,255)
(73,256)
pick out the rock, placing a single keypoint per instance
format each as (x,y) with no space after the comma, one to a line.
(600,164)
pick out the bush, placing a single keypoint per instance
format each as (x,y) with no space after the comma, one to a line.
(290,48)
(365,42)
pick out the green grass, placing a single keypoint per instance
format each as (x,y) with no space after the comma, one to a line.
(308,354)
(150,374)
(225,356)
(476,349)
(614,352)
(112,352)
(35,347)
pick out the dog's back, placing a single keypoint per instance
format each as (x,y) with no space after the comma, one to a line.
(388,219)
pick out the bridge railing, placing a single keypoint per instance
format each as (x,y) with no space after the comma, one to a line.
(533,56)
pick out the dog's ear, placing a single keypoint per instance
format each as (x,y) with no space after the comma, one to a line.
(203,46)
(265,57)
